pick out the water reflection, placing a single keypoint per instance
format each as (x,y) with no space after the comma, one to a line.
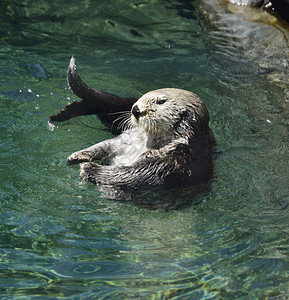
(243,31)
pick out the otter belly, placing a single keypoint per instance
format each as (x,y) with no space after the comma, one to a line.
(131,145)
(129,154)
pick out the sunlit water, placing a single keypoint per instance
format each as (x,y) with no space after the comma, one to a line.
(59,238)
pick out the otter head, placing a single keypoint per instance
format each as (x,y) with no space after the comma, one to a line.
(169,112)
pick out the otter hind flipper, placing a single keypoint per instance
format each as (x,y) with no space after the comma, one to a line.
(94,101)
(78,87)
(71,110)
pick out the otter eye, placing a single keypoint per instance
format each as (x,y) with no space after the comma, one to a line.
(161,100)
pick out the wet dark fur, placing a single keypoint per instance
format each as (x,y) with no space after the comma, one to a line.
(180,157)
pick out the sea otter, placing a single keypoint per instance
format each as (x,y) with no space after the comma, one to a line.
(166,142)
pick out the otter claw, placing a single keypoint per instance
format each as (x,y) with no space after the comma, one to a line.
(78,158)
(88,171)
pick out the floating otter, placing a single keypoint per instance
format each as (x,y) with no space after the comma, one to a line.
(166,142)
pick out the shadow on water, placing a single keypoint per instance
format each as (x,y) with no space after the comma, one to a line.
(167,200)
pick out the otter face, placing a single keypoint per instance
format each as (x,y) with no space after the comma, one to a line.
(156,113)
(167,112)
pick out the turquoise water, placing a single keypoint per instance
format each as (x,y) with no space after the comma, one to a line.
(59,238)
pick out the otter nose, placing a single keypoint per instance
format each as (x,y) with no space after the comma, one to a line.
(135,111)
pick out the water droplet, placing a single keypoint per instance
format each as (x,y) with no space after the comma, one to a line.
(51,126)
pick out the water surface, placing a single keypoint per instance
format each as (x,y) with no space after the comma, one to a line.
(59,238)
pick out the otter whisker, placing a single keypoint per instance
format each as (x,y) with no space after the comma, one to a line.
(125,122)
(121,126)
(123,116)
(122,119)
(119,112)
(153,126)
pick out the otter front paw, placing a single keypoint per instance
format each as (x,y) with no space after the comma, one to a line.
(78,157)
(88,171)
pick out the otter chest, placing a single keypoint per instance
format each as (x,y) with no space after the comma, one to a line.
(130,150)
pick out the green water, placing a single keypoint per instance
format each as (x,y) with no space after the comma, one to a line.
(59,238)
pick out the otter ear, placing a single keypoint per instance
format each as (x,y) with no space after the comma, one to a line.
(189,117)
(191,120)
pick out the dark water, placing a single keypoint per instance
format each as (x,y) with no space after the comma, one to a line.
(60,239)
